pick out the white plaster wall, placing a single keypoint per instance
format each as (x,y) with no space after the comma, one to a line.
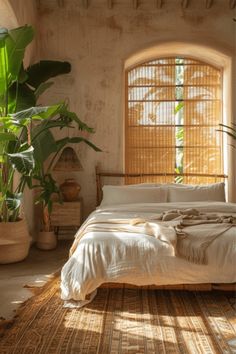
(26,13)
(7,15)
(98,40)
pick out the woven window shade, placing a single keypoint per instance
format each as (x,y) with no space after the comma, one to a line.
(173,109)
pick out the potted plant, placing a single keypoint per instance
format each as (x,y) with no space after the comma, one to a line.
(24,132)
(45,184)
(47,147)
(16,151)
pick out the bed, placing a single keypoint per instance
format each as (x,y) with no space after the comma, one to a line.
(137,236)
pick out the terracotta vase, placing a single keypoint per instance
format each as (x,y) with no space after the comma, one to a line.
(14,241)
(46,240)
(70,190)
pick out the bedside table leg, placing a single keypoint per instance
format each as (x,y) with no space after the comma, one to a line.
(56,230)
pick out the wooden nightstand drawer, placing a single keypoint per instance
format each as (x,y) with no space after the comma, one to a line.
(67,214)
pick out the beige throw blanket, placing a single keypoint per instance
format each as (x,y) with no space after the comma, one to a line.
(189,231)
(195,231)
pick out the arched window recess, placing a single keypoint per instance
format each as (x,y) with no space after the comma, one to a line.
(174,105)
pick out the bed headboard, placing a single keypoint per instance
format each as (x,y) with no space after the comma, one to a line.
(100,174)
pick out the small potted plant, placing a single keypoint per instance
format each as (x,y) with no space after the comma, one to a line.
(47,187)
(47,148)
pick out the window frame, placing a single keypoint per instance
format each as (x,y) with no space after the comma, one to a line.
(217,55)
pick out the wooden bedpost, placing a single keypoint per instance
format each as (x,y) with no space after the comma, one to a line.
(99,186)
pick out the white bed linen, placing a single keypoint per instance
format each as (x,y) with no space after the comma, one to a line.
(143,260)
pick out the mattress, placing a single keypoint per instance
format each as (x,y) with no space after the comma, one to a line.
(139,259)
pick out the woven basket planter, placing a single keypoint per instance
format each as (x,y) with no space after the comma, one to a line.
(14,241)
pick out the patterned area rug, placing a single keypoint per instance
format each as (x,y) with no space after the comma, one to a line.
(125,321)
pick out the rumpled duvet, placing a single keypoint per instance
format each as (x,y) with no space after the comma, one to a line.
(136,244)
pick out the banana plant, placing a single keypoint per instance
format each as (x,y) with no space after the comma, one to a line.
(17,156)
(46,147)
(26,138)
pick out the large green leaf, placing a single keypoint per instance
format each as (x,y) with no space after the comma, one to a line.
(69,116)
(3,35)
(51,111)
(7,137)
(22,77)
(45,70)
(44,145)
(23,161)
(45,125)
(12,146)
(37,112)
(13,200)
(7,140)
(3,67)
(12,49)
(48,188)
(42,88)
(75,140)
(16,42)
(10,124)
(21,97)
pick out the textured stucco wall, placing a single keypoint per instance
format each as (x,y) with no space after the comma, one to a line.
(98,40)
(14,13)
(26,13)
(7,16)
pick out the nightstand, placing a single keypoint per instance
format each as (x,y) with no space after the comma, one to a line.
(66,214)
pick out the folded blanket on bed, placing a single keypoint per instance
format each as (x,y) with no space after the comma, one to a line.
(189,231)
(196,231)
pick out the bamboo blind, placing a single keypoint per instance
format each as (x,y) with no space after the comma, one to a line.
(173,109)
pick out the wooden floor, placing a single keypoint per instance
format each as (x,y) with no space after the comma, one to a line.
(189,287)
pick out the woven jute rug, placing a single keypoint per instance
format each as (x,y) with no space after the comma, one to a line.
(125,321)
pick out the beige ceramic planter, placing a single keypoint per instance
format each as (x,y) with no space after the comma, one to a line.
(46,240)
(14,241)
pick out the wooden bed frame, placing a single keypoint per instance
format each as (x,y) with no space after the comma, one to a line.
(100,174)
(190,287)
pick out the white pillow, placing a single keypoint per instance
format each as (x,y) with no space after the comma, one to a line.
(145,185)
(196,193)
(113,195)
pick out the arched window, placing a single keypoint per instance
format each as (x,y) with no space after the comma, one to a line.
(173,111)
